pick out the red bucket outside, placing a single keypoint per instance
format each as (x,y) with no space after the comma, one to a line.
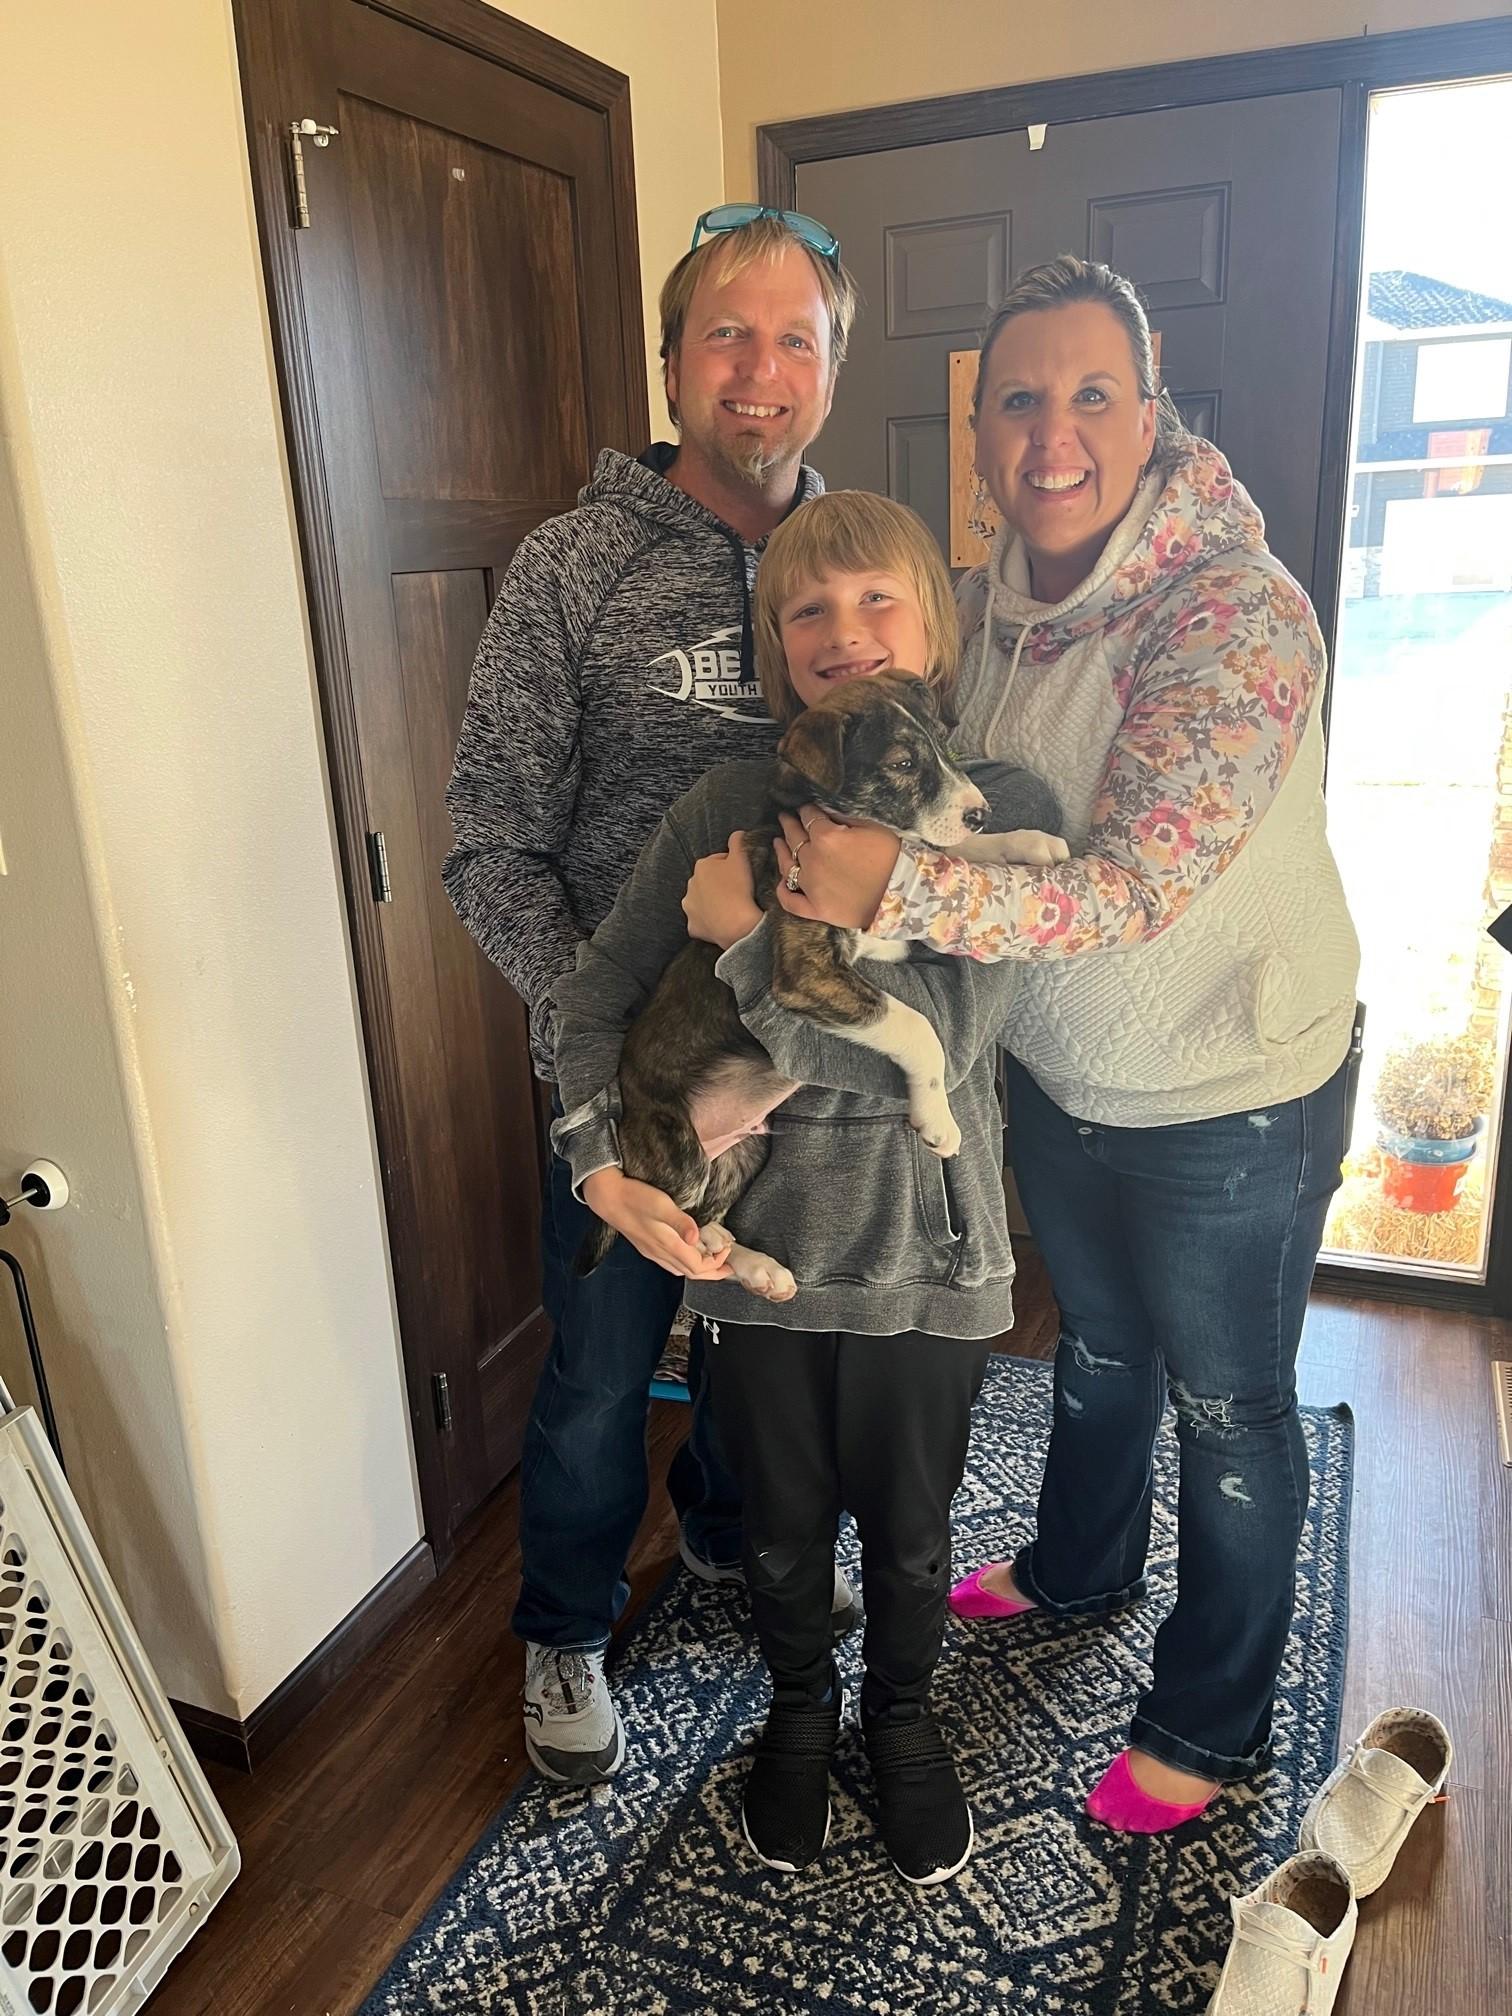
(1421,1186)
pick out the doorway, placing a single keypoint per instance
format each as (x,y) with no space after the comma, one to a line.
(1420,773)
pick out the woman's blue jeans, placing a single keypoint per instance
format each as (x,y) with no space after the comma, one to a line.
(1181,1259)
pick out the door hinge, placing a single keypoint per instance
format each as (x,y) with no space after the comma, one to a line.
(378,868)
(441,1391)
(301,130)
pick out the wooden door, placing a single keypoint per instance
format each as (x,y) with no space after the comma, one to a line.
(458,332)
(1222,215)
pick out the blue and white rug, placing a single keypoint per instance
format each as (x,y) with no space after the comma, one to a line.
(642,1899)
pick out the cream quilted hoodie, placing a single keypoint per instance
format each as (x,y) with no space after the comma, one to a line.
(1195,955)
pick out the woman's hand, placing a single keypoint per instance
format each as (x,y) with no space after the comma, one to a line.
(652,1223)
(720,902)
(843,871)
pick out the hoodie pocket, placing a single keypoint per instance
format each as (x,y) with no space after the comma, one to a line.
(851,1201)
(932,1181)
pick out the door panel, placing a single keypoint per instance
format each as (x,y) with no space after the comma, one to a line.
(451,334)
(443,265)
(1222,215)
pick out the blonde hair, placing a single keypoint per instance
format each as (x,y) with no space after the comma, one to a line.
(853,532)
(767,238)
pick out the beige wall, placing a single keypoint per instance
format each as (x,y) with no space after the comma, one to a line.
(790,59)
(189,1049)
(89,1268)
(669,50)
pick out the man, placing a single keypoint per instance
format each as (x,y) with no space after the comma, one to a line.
(616,668)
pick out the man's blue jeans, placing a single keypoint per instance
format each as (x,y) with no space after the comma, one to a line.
(1182,1256)
(583,1471)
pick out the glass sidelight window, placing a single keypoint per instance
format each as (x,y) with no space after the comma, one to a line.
(1420,752)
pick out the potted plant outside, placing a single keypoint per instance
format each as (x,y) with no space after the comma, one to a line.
(1431,1101)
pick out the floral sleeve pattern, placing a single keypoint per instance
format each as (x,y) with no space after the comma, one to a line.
(1214,713)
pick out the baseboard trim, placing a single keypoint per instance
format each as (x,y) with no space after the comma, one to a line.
(247,1745)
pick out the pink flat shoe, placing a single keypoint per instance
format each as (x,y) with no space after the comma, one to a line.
(1117,1802)
(970,1599)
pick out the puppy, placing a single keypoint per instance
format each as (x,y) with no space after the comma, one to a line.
(872,750)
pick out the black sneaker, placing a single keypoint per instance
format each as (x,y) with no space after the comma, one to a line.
(926,1822)
(785,1811)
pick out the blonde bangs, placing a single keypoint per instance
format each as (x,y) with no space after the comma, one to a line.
(853,532)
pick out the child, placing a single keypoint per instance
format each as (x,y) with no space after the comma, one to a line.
(857,1392)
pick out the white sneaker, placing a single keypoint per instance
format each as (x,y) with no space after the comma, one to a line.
(1366,1807)
(846,1614)
(573,1731)
(845,1605)
(1291,1939)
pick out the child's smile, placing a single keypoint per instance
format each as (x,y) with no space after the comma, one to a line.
(851,626)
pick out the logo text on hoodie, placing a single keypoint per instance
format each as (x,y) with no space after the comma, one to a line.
(708,675)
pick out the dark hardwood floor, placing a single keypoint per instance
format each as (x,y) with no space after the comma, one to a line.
(356,1822)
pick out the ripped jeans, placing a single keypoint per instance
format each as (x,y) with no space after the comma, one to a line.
(1180,1256)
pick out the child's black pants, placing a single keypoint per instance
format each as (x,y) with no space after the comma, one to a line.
(816,1422)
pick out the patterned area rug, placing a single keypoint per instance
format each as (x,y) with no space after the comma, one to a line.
(643,1898)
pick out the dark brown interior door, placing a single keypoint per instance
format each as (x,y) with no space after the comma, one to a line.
(458,331)
(1222,215)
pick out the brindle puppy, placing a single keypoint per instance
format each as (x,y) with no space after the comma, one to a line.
(871,750)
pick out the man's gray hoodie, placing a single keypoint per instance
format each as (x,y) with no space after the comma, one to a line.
(616,668)
(882,1235)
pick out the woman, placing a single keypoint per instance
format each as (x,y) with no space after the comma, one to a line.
(1180,1063)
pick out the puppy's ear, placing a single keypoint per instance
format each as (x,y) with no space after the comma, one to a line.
(815,747)
(918,696)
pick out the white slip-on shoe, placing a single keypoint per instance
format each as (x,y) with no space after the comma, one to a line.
(1367,1805)
(1291,1939)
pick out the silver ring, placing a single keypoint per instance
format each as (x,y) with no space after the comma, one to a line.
(791,877)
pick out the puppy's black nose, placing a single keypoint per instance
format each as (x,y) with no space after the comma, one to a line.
(975,817)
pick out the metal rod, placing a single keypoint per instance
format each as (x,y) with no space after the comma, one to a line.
(34,1349)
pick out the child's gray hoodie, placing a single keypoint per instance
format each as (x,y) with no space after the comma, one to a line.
(881,1234)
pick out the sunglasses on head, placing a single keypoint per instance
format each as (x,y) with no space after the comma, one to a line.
(732,216)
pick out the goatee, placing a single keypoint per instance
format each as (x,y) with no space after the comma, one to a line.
(754,461)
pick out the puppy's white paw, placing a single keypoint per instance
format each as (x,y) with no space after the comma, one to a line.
(714,1241)
(759,1274)
(936,1128)
(1024,848)
(1029,849)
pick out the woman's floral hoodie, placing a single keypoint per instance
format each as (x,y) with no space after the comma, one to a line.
(1195,955)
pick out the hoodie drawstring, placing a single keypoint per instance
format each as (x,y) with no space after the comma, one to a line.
(990,741)
(747,626)
(986,630)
